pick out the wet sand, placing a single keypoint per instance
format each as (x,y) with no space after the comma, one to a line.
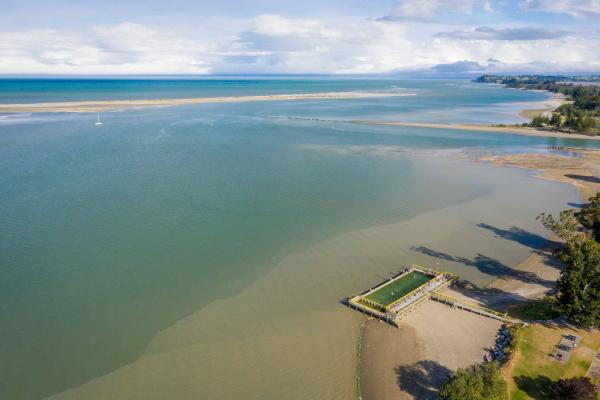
(413,361)
(111,105)
(582,170)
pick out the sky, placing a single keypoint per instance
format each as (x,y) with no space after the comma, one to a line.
(438,37)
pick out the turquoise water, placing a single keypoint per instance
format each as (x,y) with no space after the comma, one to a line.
(111,234)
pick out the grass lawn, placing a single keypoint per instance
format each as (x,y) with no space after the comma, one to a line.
(541,309)
(533,371)
(398,288)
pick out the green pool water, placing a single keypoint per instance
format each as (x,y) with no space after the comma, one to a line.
(398,288)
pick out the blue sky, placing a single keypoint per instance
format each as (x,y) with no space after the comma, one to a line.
(325,36)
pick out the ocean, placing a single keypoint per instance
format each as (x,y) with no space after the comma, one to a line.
(203,251)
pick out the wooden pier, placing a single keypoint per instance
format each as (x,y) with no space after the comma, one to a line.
(473,307)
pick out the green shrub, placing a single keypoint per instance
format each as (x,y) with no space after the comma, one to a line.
(479,382)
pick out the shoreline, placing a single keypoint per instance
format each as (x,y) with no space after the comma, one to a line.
(580,170)
(545,106)
(517,130)
(413,351)
(541,107)
(112,105)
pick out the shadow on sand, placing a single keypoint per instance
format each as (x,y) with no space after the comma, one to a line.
(487,265)
(494,298)
(585,178)
(422,379)
(517,235)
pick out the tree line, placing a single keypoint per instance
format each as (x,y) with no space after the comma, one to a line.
(579,283)
(580,116)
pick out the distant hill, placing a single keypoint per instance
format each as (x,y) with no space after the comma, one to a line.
(521,80)
(582,115)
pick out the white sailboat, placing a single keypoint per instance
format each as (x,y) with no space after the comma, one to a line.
(98,122)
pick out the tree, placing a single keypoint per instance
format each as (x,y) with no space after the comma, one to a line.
(555,120)
(495,387)
(575,389)
(479,382)
(589,216)
(579,283)
(539,120)
(463,385)
(584,123)
(566,227)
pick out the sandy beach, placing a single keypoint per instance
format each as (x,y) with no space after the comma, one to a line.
(518,130)
(581,170)
(414,351)
(543,107)
(111,105)
(413,361)
(515,129)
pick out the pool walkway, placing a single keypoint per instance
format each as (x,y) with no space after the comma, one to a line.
(473,307)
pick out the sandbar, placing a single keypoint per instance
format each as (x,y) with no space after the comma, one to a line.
(518,130)
(111,105)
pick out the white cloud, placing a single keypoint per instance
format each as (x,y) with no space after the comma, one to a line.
(277,44)
(523,33)
(124,48)
(276,25)
(311,46)
(425,10)
(376,46)
(576,8)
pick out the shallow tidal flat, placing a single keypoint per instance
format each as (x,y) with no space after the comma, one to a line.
(287,335)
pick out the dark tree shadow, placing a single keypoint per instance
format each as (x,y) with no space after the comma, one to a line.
(516,234)
(538,388)
(422,379)
(585,178)
(488,266)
